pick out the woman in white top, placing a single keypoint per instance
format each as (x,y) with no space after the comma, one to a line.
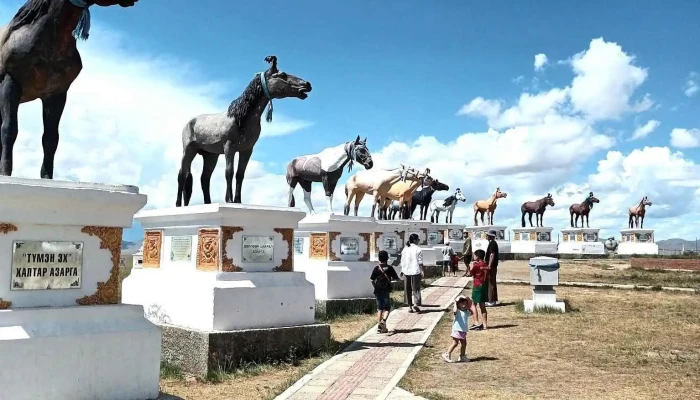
(412,270)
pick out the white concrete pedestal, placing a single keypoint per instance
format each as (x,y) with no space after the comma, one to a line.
(479,240)
(580,241)
(215,276)
(334,251)
(637,241)
(544,277)
(533,241)
(63,334)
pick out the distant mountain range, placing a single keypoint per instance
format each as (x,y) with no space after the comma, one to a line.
(130,247)
(677,244)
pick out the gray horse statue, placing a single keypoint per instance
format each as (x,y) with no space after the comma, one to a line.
(39,59)
(326,167)
(234,131)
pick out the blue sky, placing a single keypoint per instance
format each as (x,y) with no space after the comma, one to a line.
(396,71)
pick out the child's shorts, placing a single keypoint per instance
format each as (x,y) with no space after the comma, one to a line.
(383,301)
(459,335)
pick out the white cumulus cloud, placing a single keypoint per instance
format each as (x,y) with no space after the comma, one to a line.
(540,61)
(691,85)
(644,130)
(685,138)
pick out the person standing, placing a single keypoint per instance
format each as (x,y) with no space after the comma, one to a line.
(467,252)
(492,262)
(447,253)
(412,272)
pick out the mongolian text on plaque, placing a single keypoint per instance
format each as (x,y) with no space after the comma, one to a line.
(181,248)
(46,265)
(349,246)
(298,245)
(258,249)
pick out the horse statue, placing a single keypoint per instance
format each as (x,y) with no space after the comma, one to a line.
(326,167)
(402,193)
(39,59)
(582,210)
(377,183)
(638,211)
(537,207)
(448,206)
(488,206)
(234,131)
(423,196)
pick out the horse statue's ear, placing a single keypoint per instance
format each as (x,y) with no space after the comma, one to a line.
(365,141)
(272,60)
(357,141)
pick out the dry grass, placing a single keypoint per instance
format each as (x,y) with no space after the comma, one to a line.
(617,345)
(263,381)
(605,271)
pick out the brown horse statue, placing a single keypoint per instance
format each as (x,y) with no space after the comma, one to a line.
(39,59)
(402,193)
(637,212)
(377,183)
(488,206)
(537,207)
(582,210)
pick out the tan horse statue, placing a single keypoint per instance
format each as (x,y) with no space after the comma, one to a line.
(402,191)
(375,182)
(488,206)
(635,212)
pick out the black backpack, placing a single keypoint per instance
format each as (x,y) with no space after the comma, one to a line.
(382,282)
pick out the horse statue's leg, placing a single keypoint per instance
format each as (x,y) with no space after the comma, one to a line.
(329,188)
(243,159)
(475,213)
(358,199)
(189,185)
(209,164)
(348,200)
(229,154)
(642,222)
(10,97)
(188,155)
(571,215)
(306,187)
(52,110)
(587,224)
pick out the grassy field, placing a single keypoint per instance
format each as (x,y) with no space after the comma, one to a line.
(612,345)
(605,271)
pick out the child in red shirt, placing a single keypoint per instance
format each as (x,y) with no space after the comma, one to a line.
(479,270)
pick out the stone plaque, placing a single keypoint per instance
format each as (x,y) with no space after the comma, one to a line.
(524,236)
(46,265)
(456,234)
(643,237)
(298,245)
(433,237)
(181,248)
(544,237)
(349,246)
(590,237)
(258,249)
(389,244)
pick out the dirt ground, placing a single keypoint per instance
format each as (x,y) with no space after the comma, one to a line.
(605,271)
(616,344)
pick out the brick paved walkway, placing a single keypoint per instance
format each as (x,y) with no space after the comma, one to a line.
(371,367)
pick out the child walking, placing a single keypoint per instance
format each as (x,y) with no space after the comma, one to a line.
(462,308)
(381,278)
(480,294)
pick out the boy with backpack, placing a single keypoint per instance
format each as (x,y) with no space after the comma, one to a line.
(381,278)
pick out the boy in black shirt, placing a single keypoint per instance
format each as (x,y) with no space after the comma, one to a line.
(381,278)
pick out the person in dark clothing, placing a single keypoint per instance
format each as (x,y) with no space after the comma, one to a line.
(492,262)
(467,253)
(382,276)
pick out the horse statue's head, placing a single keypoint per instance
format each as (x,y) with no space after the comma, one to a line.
(359,152)
(108,3)
(281,85)
(407,172)
(645,201)
(459,196)
(592,199)
(437,185)
(550,200)
(499,194)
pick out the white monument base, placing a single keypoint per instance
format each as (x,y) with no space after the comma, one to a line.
(334,251)
(215,276)
(637,241)
(533,241)
(581,241)
(63,334)
(101,352)
(544,277)
(479,240)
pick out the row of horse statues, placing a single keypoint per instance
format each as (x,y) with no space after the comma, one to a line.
(27,39)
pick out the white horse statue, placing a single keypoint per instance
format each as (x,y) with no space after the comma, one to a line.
(448,206)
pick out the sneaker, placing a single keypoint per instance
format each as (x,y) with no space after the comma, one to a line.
(490,304)
(447,358)
(463,359)
(382,327)
(474,326)
(416,309)
(478,327)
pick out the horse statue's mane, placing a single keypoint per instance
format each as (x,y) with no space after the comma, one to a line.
(29,13)
(240,108)
(449,200)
